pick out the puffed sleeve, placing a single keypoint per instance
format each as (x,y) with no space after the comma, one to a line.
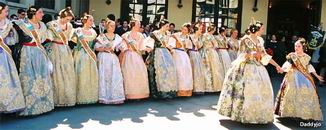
(286,66)
(124,43)
(149,43)
(172,42)
(311,69)
(265,59)
(71,32)
(117,44)
(99,41)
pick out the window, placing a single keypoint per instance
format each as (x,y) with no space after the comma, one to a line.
(228,13)
(49,4)
(68,3)
(155,8)
(204,11)
(144,10)
(136,9)
(220,12)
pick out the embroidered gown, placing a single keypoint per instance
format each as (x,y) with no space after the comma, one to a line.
(196,61)
(35,69)
(161,69)
(134,70)
(11,94)
(234,47)
(298,96)
(86,67)
(182,62)
(111,90)
(212,65)
(247,94)
(223,53)
(63,76)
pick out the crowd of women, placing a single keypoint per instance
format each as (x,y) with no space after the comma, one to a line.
(38,70)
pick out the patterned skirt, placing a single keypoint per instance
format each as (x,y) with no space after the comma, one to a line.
(197,71)
(135,76)
(162,74)
(184,72)
(36,81)
(213,70)
(64,76)
(298,98)
(247,94)
(87,78)
(11,94)
(111,90)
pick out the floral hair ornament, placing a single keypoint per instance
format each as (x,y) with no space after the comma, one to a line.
(86,16)
(33,9)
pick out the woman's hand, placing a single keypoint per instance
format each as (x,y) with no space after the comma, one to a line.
(107,49)
(279,69)
(320,78)
(148,49)
(257,55)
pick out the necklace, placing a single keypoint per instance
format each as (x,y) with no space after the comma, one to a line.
(108,37)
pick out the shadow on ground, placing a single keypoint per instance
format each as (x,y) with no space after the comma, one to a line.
(105,114)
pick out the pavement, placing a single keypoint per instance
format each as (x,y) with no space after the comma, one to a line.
(193,113)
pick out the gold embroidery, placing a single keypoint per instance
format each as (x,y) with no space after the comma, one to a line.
(4,46)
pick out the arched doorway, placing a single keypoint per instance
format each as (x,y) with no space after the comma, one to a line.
(293,17)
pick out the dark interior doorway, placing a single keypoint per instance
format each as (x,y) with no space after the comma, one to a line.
(293,17)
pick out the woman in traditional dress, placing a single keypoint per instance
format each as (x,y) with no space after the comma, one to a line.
(196,59)
(247,94)
(297,97)
(162,72)
(233,44)
(213,67)
(180,41)
(11,94)
(86,63)
(133,67)
(64,76)
(222,49)
(35,66)
(111,90)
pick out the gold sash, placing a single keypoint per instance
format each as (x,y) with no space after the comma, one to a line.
(4,46)
(63,38)
(304,71)
(177,42)
(61,35)
(132,46)
(164,44)
(88,50)
(34,35)
(37,39)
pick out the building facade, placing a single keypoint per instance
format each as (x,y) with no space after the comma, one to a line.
(231,13)
(275,14)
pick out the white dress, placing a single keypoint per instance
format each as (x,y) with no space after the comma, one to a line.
(111,90)
(183,64)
